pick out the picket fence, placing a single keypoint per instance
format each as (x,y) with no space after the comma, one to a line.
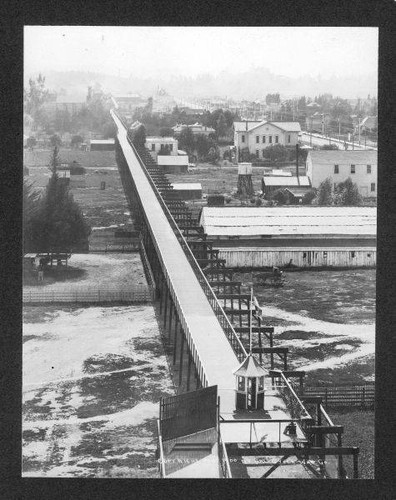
(137,293)
(357,395)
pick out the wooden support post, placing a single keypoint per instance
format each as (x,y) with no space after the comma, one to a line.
(181,359)
(285,362)
(355,467)
(175,344)
(166,305)
(189,370)
(170,313)
(341,474)
(260,342)
(197,381)
(170,322)
(162,293)
(319,437)
(271,339)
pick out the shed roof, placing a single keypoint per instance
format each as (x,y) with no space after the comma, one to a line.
(342,157)
(102,141)
(187,186)
(278,180)
(289,221)
(250,367)
(172,160)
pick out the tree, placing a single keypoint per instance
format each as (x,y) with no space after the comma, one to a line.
(59,223)
(213,155)
(166,132)
(325,192)
(309,196)
(31,206)
(187,141)
(276,153)
(281,196)
(31,142)
(139,137)
(55,140)
(35,96)
(221,126)
(347,194)
(76,140)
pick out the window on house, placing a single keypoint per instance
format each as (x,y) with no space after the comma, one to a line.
(372,186)
(288,138)
(369,255)
(335,186)
(263,139)
(243,138)
(276,139)
(352,255)
(153,147)
(369,169)
(257,153)
(325,255)
(270,139)
(241,383)
(257,139)
(353,169)
(263,153)
(336,169)
(304,255)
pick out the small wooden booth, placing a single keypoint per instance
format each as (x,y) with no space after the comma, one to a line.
(249,385)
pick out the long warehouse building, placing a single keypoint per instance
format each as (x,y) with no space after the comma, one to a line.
(296,236)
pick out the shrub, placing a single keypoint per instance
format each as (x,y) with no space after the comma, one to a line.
(309,196)
(216,200)
(259,202)
(281,196)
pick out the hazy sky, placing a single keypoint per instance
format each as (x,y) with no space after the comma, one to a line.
(189,51)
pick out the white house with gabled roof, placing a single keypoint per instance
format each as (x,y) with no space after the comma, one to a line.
(256,136)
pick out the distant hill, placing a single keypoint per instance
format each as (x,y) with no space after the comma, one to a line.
(253,84)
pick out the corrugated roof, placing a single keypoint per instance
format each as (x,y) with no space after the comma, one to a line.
(342,157)
(186,186)
(286,181)
(172,160)
(288,221)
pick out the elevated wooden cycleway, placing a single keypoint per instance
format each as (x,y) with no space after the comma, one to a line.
(205,335)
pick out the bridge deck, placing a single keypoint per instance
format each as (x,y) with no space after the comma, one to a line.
(205,336)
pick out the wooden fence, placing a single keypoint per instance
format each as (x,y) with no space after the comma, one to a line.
(357,395)
(137,293)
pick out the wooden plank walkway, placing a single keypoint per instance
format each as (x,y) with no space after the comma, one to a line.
(205,335)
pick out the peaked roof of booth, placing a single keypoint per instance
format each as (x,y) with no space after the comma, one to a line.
(250,368)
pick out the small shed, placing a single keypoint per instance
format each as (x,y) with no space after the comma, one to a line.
(102,144)
(173,164)
(188,191)
(272,183)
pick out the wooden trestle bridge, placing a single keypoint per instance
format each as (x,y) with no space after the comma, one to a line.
(206,431)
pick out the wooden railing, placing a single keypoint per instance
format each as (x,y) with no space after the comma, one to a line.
(161,458)
(223,457)
(363,396)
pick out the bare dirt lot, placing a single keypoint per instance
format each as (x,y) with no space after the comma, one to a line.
(92,380)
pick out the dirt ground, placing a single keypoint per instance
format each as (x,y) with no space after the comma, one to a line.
(92,381)
(99,271)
